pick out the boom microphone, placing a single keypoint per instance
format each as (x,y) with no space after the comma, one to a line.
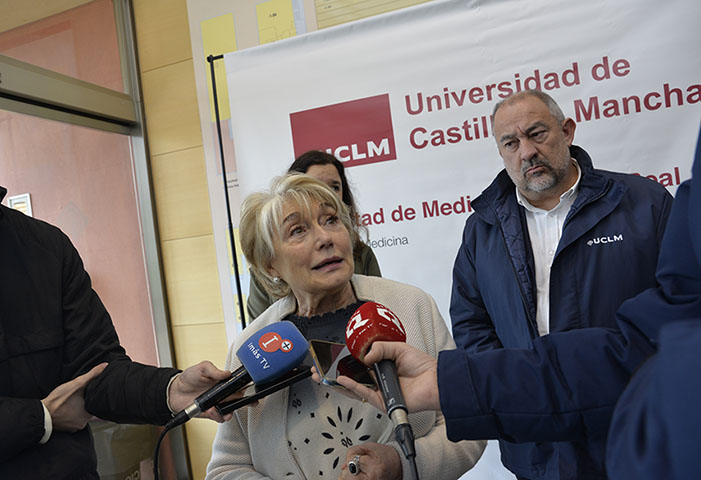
(268,354)
(373,322)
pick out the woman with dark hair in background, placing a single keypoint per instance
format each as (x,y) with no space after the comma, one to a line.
(328,169)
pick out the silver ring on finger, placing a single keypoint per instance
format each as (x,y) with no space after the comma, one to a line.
(354,465)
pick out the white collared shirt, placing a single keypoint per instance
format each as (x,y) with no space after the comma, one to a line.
(545,230)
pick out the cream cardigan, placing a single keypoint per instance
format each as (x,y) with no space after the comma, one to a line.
(253,445)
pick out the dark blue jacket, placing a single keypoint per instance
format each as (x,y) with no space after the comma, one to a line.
(657,422)
(607,254)
(567,385)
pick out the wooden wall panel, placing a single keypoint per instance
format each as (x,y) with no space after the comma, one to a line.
(182,196)
(201,342)
(200,437)
(192,344)
(192,282)
(162,31)
(170,102)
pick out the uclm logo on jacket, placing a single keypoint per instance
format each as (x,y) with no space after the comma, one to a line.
(606,239)
(356,132)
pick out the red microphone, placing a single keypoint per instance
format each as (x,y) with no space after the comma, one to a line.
(373,322)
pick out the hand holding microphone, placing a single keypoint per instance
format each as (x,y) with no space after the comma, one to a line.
(417,372)
(374,322)
(371,340)
(192,381)
(268,354)
(265,356)
(369,323)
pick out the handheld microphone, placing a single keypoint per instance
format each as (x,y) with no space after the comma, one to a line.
(268,354)
(373,322)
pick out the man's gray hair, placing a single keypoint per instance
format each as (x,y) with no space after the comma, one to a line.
(549,102)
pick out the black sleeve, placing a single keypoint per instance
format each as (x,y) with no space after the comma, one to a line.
(129,392)
(21,425)
(126,391)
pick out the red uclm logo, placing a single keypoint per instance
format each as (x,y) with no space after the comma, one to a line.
(357,132)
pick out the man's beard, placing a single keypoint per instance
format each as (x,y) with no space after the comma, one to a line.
(544,180)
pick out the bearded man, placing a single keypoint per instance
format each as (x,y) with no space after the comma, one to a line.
(554,245)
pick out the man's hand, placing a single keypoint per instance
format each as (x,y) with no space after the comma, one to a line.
(66,403)
(418,376)
(194,381)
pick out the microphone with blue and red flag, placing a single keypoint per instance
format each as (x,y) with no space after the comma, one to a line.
(265,356)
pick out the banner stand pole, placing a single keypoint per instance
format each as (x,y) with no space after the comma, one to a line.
(211,59)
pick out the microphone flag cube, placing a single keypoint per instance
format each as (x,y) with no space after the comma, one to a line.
(273,351)
(372,322)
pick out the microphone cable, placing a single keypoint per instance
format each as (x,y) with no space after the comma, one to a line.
(405,437)
(176,421)
(166,429)
(295,375)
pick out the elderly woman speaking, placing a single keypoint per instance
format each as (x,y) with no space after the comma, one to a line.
(298,239)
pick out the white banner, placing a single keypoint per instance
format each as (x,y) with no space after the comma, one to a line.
(405,100)
(628,72)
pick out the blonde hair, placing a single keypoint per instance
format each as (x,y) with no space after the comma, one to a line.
(261,221)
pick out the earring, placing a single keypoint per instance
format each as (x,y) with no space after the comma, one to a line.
(276,280)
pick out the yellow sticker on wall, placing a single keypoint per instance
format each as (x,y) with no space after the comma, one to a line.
(335,12)
(218,38)
(275,20)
